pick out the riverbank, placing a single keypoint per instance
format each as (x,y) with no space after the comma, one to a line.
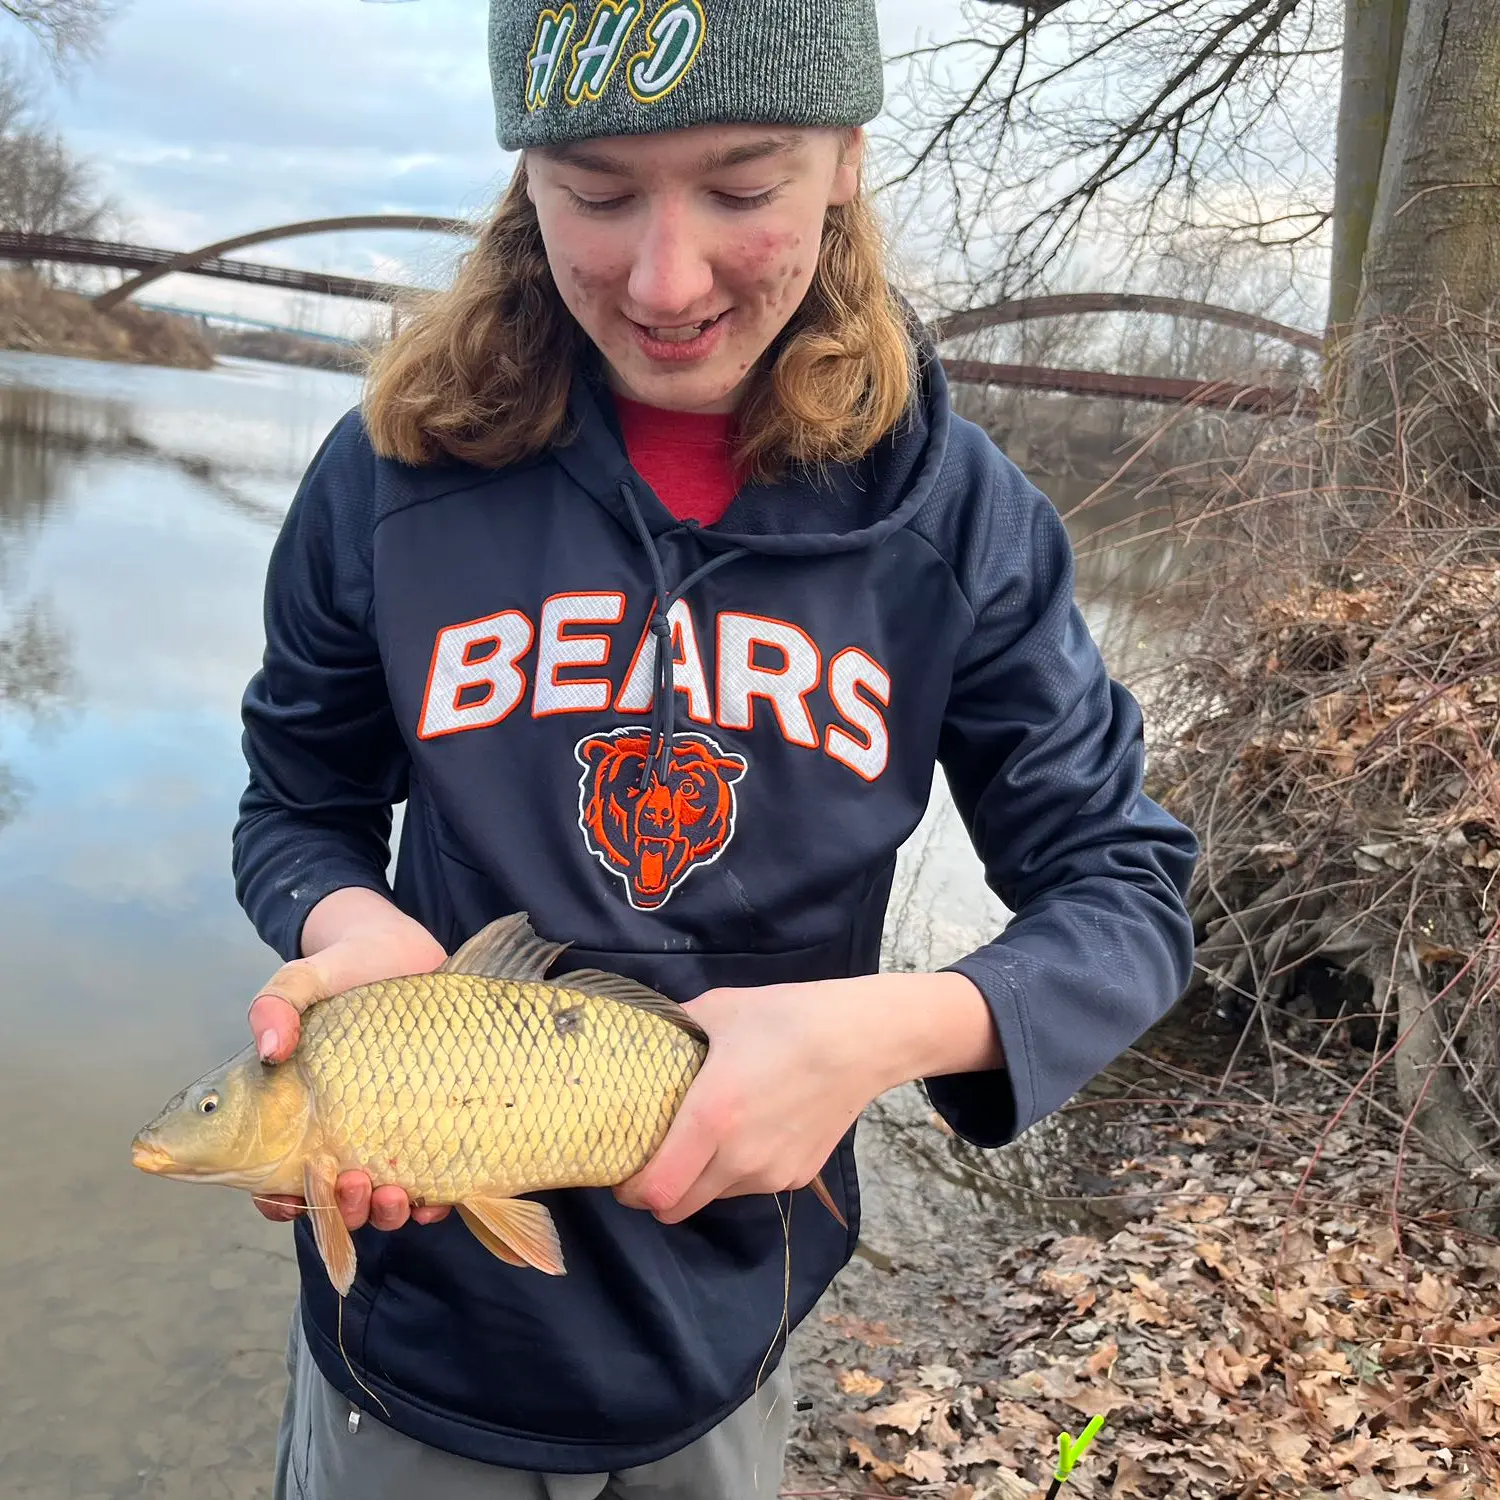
(1197,1249)
(39,319)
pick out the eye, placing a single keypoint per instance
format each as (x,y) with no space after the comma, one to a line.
(742,205)
(208,1104)
(597,205)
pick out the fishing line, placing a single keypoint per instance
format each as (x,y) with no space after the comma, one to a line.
(350,1368)
(786,1282)
(343,1353)
(786,1313)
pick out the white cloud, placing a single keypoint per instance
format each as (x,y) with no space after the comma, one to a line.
(207,118)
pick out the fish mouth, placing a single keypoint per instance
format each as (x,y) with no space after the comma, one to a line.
(150,1158)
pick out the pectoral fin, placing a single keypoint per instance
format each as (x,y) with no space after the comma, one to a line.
(491,1242)
(820,1191)
(319,1175)
(517,1230)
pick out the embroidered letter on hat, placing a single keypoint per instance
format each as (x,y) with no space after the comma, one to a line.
(675,38)
(596,57)
(554,29)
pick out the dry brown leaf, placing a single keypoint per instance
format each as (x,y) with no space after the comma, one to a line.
(1212,1207)
(1289,1448)
(858,1383)
(872,1335)
(1478,1328)
(908,1415)
(1226,1368)
(1432,1294)
(867,1459)
(938,1377)
(1005,1485)
(1340,1410)
(940,1432)
(1142,1309)
(1101,1359)
(924,1466)
(1100,1400)
(1064,1283)
(985,1448)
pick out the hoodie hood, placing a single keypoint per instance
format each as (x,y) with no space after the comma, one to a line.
(812,511)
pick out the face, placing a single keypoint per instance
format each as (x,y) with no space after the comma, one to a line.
(234,1126)
(682,255)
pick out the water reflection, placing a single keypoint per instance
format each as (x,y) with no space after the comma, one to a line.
(137,508)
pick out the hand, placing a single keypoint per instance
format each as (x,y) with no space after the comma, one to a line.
(352,937)
(789,1069)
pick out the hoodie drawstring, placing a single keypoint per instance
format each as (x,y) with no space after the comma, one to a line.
(664,689)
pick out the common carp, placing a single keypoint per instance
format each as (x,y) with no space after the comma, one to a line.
(469,1086)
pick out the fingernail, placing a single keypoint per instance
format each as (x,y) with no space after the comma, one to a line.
(269,1042)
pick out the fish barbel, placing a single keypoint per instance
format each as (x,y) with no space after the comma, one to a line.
(469,1086)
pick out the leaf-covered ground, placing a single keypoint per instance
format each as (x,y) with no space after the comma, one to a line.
(1247,1311)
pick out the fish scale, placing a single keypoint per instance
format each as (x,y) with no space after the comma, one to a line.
(454,1086)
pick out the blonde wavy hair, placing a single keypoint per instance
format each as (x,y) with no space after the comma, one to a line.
(480,372)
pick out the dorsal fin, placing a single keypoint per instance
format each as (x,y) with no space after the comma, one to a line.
(632,992)
(506,949)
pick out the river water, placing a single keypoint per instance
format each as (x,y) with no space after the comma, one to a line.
(142,1322)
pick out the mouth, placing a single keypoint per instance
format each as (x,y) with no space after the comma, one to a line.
(679,343)
(150,1158)
(651,876)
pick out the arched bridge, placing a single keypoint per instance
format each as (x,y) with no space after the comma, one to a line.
(150,264)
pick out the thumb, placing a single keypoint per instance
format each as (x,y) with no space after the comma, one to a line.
(276,1010)
(276,1027)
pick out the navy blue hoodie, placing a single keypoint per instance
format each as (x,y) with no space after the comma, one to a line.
(483,646)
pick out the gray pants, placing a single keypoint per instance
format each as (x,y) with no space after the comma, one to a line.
(319,1458)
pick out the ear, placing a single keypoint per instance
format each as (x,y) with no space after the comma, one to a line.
(591,752)
(846,175)
(730,770)
(530,177)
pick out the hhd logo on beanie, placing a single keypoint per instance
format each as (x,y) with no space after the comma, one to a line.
(673,40)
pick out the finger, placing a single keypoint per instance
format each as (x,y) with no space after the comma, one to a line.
(717,1181)
(432,1213)
(275,1027)
(390,1208)
(299,983)
(280,1001)
(352,1193)
(679,1162)
(279,1208)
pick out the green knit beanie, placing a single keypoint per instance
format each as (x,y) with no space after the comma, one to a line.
(575,69)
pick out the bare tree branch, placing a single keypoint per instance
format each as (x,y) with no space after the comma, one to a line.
(68,31)
(1035,125)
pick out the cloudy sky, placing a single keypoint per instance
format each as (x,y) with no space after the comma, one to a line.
(208,118)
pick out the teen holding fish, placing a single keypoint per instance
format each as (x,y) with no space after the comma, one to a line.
(657,576)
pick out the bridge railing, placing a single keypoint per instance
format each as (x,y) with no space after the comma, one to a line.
(72,250)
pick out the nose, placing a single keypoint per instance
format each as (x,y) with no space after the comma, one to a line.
(672,276)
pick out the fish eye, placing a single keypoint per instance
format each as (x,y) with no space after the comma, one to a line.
(208,1104)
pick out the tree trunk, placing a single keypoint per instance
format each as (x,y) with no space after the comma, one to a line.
(1427,1089)
(1436,226)
(1432,268)
(1374,31)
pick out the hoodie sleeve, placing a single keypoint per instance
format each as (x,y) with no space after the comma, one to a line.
(326,760)
(1044,756)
